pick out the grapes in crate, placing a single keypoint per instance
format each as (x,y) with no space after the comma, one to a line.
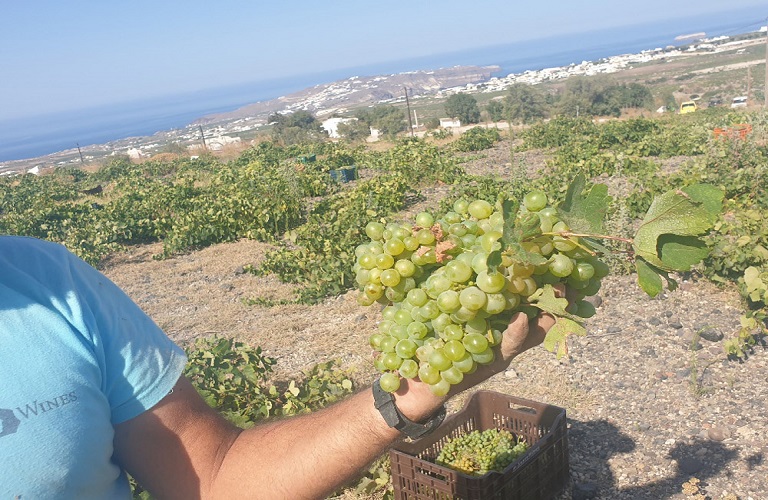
(477,453)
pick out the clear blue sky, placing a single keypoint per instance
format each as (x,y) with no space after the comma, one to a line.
(59,55)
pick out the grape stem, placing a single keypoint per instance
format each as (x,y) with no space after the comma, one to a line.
(566,234)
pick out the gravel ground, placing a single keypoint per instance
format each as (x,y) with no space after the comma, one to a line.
(655,411)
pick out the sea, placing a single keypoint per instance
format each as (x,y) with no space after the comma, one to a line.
(45,134)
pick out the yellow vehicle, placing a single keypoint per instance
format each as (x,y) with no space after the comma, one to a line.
(687,107)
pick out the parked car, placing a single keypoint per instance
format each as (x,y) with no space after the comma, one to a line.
(713,103)
(687,107)
(739,102)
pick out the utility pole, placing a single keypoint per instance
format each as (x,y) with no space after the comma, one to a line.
(765,90)
(749,82)
(408,105)
(82,162)
(202,137)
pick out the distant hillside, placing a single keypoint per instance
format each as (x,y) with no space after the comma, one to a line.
(359,90)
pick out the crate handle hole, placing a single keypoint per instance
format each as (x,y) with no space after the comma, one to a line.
(524,409)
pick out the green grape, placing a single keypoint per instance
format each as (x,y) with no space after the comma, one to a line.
(391,360)
(475,343)
(490,241)
(437,284)
(479,262)
(585,309)
(417,330)
(401,232)
(425,237)
(439,360)
(405,267)
(485,357)
(399,332)
(496,303)
(461,206)
(428,373)
(374,275)
(592,287)
(472,298)
(388,343)
(480,209)
(384,261)
(430,310)
(466,364)
(389,382)
(417,297)
(390,277)
(452,375)
(458,229)
(425,219)
(394,246)
(476,325)
(463,315)
(453,332)
(440,388)
(454,350)
(362,276)
(441,322)
(406,348)
(375,341)
(490,282)
(374,230)
(367,261)
(423,352)
(561,265)
(448,301)
(409,369)
(535,200)
(410,243)
(373,290)
(584,271)
(402,317)
(458,271)
(452,218)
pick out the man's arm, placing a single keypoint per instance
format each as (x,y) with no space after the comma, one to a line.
(181,448)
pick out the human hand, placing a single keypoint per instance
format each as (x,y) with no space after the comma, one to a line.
(416,400)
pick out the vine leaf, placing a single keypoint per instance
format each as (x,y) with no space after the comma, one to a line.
(584,207)
(557,336)
(648,279)
(517,228)
(668,237)
(545,299)
(567,324)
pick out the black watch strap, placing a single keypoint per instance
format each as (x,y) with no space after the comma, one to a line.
(385,403)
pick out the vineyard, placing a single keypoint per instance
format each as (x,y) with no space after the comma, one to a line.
(310,224)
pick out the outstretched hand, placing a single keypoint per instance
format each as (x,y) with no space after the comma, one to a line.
(416,400)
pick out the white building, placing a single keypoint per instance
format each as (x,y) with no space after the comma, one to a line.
(331,126)
(450,122)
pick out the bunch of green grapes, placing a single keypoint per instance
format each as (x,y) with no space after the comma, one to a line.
(477,453)
(444,308)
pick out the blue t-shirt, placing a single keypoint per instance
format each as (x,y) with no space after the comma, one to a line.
(77,356)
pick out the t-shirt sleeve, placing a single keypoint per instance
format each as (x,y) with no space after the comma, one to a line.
(139,363)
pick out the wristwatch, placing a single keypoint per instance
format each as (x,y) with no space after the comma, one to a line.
(385,403)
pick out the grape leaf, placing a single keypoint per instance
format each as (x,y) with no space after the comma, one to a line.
(584,207)
(648,279)
(516,230)
(681,252)
(687,213)
(545,299)
(557,336)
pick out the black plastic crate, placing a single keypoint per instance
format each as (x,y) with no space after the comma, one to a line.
(540,473)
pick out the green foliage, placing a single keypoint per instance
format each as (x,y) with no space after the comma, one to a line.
(298,127)
(462,106)
(495,110)
(233,378)
(523,104)
(599,96)
(477,139)
(388,119)
(354,130)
